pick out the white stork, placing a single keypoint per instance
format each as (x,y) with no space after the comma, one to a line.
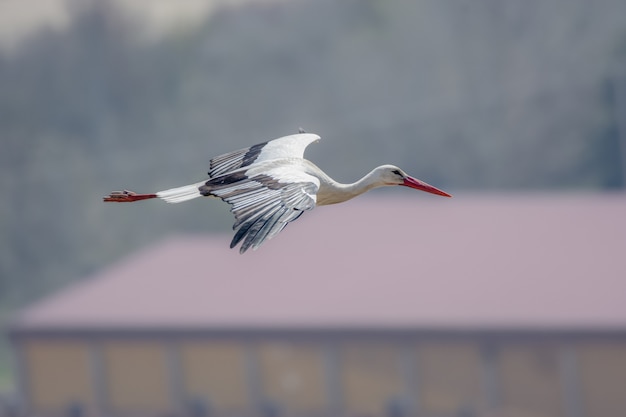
(270,184)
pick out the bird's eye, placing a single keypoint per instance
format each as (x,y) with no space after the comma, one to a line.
(397,172)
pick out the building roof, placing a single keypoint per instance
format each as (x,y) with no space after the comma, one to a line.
(474,262)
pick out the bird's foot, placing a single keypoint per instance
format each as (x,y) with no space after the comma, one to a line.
(127,196)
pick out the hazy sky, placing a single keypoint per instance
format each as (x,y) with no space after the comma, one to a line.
(19,18)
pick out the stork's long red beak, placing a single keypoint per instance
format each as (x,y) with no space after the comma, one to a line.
(422,186)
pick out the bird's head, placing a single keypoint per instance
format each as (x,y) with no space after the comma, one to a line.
(392,175)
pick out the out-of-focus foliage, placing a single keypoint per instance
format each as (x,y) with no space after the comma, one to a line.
(478,94)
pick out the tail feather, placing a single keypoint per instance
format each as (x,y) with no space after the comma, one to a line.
(180,194)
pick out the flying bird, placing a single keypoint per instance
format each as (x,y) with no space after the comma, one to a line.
(271,184)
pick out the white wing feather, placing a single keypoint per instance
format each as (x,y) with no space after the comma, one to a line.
(265,184)
(264,203)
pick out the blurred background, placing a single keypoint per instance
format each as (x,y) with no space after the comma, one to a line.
(478,97)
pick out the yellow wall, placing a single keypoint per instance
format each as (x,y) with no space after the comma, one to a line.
(136,372)
(371,376)
(57,374)
(215,371)
(530,379)
(293,375)
(449,377)
(603,379)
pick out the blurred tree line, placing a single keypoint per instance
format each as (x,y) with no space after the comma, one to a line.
(480,94)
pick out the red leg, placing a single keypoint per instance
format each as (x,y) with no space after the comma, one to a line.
(127,197)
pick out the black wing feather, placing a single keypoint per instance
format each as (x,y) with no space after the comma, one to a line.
(262,205)
(234,160)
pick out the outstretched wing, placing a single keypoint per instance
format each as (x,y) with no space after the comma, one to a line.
(263,204)
(235,160)
(292,146)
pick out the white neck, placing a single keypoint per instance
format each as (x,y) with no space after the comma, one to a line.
(332,192)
